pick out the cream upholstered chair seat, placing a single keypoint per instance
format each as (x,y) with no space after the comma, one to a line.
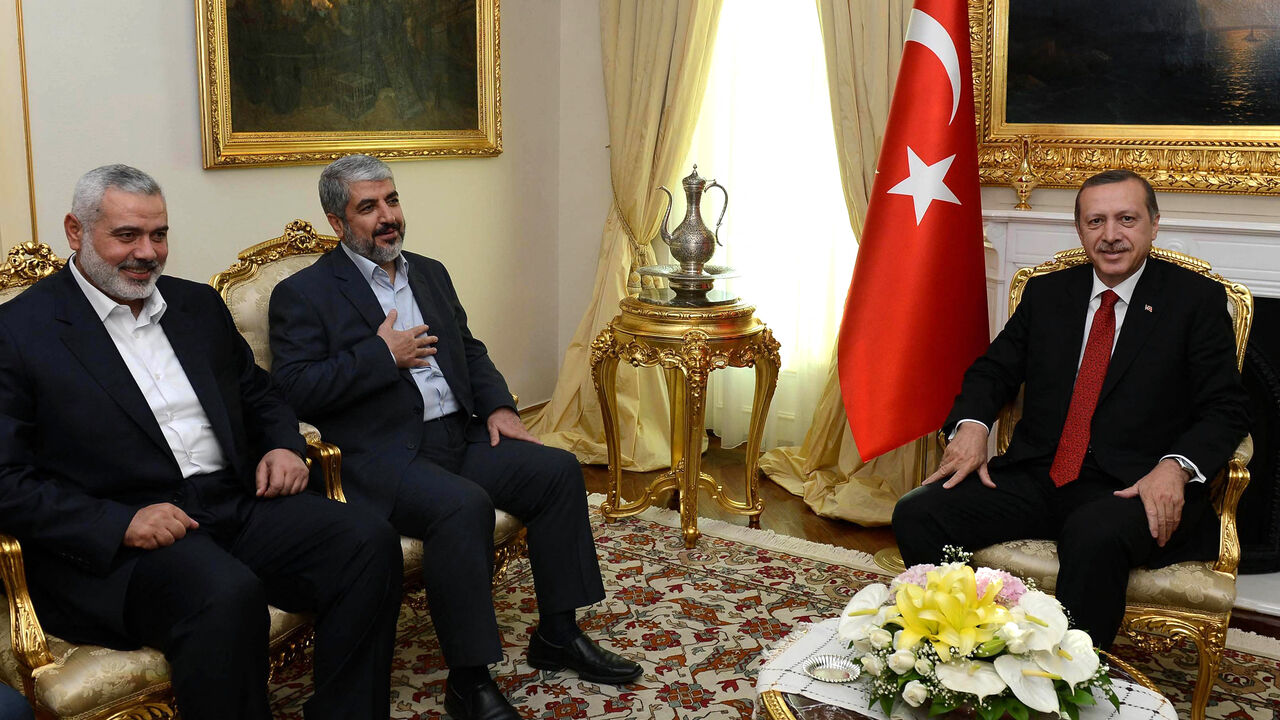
(246,287)
(1186,601)
(90,681)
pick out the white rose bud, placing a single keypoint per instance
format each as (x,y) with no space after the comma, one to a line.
(901,661)
(880,638)
(915,693)
(873,665)
(924,667)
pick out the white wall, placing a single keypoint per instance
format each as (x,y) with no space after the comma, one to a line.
(585,190)
(116,82)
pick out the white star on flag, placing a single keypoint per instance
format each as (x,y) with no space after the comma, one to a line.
(925,183)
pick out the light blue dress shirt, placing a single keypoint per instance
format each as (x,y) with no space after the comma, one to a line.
(437,397)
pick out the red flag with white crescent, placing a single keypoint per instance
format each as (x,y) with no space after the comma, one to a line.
(916,314)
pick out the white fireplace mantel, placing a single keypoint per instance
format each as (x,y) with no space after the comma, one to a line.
(1246,252)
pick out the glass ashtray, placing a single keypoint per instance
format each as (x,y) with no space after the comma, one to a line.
(833,669)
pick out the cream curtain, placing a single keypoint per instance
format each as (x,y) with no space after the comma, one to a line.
(657,54)
(863,43)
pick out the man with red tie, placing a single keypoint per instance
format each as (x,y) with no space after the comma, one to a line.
(1132,400)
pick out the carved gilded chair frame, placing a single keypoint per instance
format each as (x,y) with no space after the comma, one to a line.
(1158,628)
(1188,158)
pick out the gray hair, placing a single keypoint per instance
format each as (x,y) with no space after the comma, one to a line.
(1107,177)
(335,181)
(86,202)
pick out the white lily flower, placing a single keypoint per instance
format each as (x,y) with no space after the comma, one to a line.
(1045,620)
(1074,660)
(970,676)
(872,664)
(915,693)
(862,613)
(1030,684)
(902,661)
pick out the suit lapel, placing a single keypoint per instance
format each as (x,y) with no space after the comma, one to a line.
(87,339)
(356,288)
(1073,307)
(1138,324)
(446,357)
(184,329)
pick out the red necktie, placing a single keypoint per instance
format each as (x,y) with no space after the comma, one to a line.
(1093,370)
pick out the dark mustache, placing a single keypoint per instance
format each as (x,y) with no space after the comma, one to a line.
(385,227)
(139,265)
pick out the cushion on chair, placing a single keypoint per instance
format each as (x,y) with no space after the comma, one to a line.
(1192,585)
(84,678)
(250,298)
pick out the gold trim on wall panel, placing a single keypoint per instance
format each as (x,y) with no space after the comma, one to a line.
(1186,158)
(225,146)
(15,127)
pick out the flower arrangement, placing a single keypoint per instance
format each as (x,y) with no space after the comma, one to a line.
(949,636)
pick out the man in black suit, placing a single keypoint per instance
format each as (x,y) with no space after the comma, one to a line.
(431,439)
(156,481)
(1132,400)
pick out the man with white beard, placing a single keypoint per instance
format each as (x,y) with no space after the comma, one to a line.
(156,482)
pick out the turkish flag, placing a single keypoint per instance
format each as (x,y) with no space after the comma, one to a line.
(916,315)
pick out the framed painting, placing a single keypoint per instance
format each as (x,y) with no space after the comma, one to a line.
(290,82)
(1183,92)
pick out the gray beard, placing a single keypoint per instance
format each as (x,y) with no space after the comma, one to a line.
(107,277)
(371,250)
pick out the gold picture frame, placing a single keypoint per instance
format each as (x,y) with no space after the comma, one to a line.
(294,83)
(1182,158)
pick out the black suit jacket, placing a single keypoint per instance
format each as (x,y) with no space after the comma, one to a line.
(1171,388)
(340,376)
(80,450)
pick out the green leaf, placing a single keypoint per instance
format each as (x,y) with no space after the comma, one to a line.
(1072,711)
(1017,710)
(939,707)
(1111,695)
(886,704)
(1084,697)
(993,710)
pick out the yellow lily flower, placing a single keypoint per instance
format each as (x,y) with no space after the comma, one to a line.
(948,613)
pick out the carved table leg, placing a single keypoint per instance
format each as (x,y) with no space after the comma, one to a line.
(674,379)
(766,382)
(693,404)
(604,374)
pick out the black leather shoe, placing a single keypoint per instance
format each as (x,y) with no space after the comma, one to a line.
(592,662)
(481,702)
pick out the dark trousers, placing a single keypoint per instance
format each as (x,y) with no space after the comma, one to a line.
(1100,537)
(447,498)
(203,600)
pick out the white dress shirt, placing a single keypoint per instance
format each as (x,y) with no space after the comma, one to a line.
(437,397)
(1124,290)
(147,353)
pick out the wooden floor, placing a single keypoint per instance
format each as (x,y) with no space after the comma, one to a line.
(784,513)
(787,514)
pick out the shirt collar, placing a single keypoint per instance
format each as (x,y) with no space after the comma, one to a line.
(152,308)
(369,269)
(1124,289)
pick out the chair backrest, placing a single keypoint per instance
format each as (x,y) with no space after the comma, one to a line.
(26,263)
(1239,305)
(246,286)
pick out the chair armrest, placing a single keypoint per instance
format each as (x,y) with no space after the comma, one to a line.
(328,457)
(1227,489)
(29,643)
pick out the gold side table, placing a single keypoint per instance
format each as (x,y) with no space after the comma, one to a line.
(688,343)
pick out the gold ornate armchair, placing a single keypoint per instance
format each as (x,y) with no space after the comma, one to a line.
(1187,601)
(246,287)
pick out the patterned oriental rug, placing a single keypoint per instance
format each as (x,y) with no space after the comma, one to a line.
(699,620)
